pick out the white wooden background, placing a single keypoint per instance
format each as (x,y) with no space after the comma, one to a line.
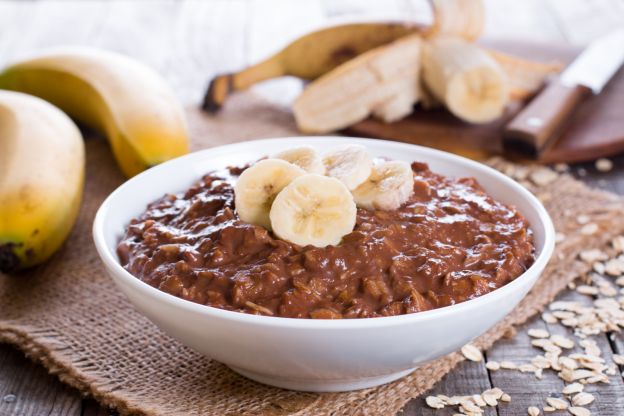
(190,40)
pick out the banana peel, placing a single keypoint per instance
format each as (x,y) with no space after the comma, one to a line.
(309,57)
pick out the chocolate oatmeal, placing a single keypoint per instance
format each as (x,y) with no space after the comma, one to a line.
(449,243)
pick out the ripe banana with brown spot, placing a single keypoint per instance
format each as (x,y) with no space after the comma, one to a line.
(309,57)
(465,78)
(384,82)
(112,93)
(42,166)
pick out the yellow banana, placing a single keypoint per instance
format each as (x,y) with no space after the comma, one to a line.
(114,94)
(41,179)
(309,57)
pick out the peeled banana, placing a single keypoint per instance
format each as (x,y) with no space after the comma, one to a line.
(309,57)
(465,79)
(384,82)
(313,210)
(122,98)
(42,166)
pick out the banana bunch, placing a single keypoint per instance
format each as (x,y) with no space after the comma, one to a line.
(309,199)
(41,150)
(116,95)
(42,164)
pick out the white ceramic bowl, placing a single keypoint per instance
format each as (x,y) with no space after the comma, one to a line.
(310,354)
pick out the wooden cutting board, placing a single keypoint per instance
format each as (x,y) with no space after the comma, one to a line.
(595,130)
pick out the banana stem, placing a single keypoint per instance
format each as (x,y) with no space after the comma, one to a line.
(224,85)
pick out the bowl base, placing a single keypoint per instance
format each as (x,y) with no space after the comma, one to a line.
(319,385)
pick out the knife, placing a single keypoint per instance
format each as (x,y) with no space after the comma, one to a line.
(535,127)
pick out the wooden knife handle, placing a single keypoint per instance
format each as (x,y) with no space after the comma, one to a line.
(542,119)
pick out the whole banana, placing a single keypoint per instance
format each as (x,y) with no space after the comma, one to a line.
(309,57)
(42,166)
(114,94)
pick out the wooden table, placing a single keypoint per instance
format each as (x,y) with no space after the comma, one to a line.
(188,41)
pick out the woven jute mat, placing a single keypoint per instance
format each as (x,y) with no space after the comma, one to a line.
(69,316)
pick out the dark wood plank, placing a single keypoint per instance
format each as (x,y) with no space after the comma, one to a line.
(467,379)
(27,389)
(524,388)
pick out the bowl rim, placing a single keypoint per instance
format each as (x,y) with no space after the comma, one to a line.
(111,262)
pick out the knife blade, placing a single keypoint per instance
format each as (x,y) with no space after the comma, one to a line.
(535,127)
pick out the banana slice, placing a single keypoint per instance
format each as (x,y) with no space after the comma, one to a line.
(350,164)
(257,187)
(305,157)
(465,78)
(389,186)
(313,210)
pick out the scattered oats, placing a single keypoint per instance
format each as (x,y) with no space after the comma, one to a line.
(598,378)
(618,243)
(589,229)
(568,363)
(478,400)
(573,388)
(582,373)
(611,370)
(582,399)
(549,409)
(557,403)
(492,365)
(496,392)
(561,167)
(607,290)
(505,398)
(579,411)
(618,359)
(543,176)
(604,165)
(615,267)
(599,267)
(589,345)
(434,402)
(562,341)
(559,237)
(539,373)
(620,281)
(582,172)
(538,333)
(582,219)
(587,290)
(489,398)
(593,255)
(540,361)
(563,314)
(508,365)
(533,411)
(467,405)
(549,318)
(527,368)
(471,352)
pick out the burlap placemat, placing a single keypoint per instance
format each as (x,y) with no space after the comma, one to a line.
(68,315)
